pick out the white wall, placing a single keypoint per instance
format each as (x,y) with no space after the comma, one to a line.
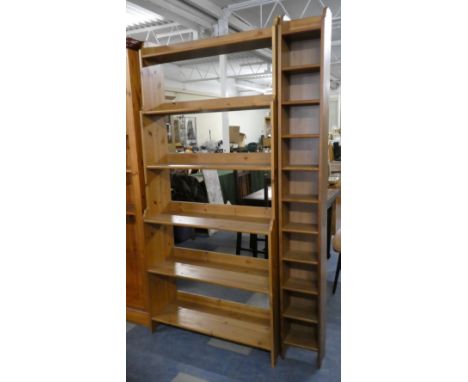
(251,122)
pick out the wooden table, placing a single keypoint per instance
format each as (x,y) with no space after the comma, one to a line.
(257,198)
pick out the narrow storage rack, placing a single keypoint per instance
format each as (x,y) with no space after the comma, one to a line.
(242,323)
(303,83)
(140,93)
(137,307)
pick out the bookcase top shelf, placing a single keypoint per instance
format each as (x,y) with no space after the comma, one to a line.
(213,105)
(309,27)
(231,43)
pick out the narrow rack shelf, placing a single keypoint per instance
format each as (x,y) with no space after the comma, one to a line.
(211,166)
(219,318)
(300,228)
(307,27)
(301,337)
(306,313)
(290,136)
(303,257)
(212,272)
(309,68)
(301,102)
(213,105)
(300,168)
(256,225)
(294,198)
(301,285)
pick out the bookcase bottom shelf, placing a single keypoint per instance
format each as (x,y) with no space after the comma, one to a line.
(218,318)
(301,335)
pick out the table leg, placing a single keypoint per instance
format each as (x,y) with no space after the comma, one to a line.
(329,222)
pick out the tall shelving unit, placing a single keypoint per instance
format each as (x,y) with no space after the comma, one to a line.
(136,98)
(242,323)
(137,307)
(303,87)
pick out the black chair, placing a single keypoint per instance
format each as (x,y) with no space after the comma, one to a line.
(254,239)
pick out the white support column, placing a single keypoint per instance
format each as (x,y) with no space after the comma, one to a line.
(223,28)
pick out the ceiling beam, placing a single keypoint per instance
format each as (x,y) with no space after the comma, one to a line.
(152,28)
(171,12)
(215,11)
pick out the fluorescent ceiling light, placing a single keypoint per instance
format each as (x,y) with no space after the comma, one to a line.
(253,88)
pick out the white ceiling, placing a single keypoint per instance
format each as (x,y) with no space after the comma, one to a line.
(172,21)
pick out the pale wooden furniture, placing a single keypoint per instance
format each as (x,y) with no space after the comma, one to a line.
(137,307)
(242,323)
(136,97)
(303,72)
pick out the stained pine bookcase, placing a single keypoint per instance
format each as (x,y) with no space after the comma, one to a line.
(303,87)
(137,96)
(241,323)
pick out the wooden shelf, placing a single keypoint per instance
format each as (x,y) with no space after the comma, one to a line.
(212,166)
(301,285)
(231,43)
(300,168)
(220,161)
(310,199)
(291,136)
(219,318)
(301,336)
(256,225)
(310,68)
(213,105)
(213,271)
(301,102)
(300,228)
(309,27)
(303,257)
(302,312)
(129,171)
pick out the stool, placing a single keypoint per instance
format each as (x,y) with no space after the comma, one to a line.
(337,248)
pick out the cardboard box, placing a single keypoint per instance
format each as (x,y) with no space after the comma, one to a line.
(266,142)
(234,132)
(235,136)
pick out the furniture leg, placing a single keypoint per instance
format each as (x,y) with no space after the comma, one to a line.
(254,244)
(337,274)
(238,243)
(329,221)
